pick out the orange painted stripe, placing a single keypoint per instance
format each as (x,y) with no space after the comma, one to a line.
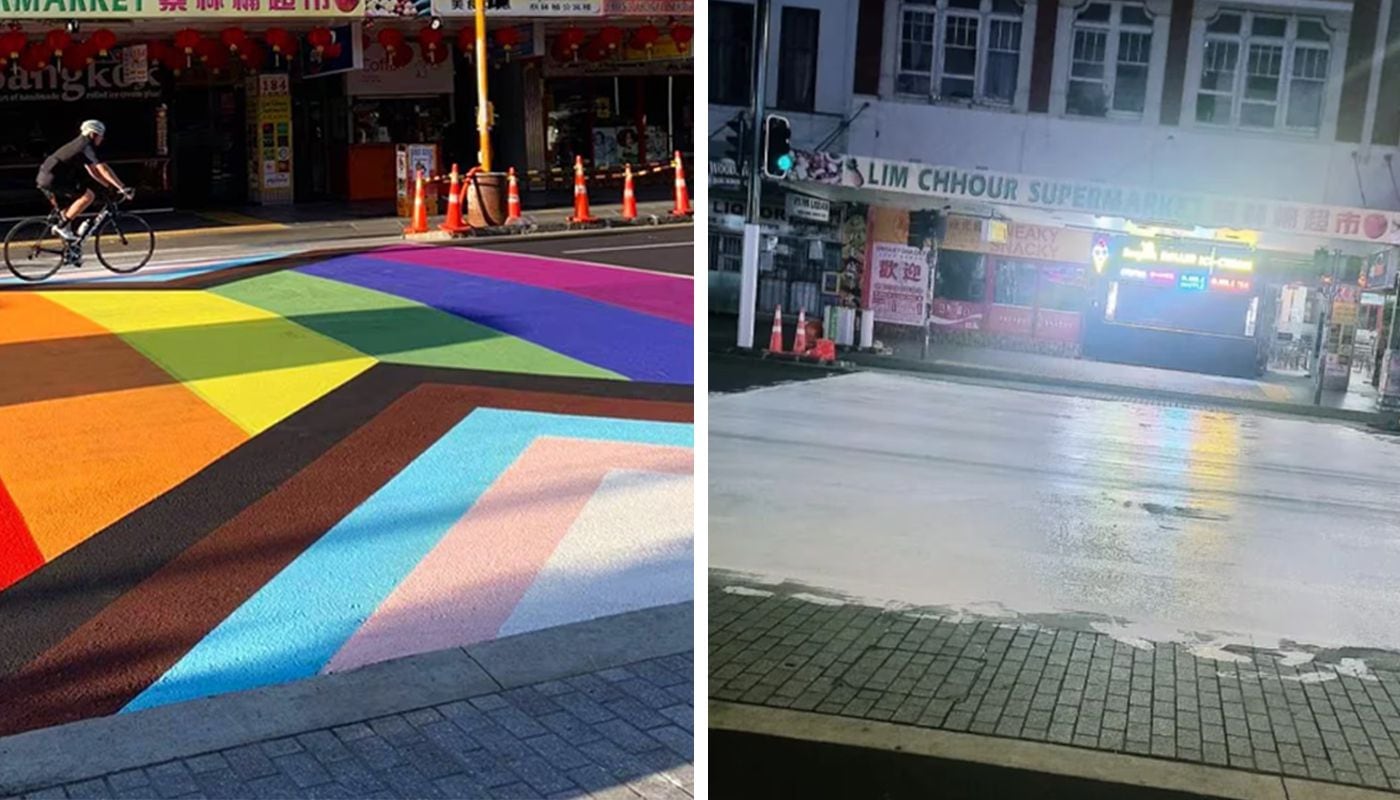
(19,556)
(90,430)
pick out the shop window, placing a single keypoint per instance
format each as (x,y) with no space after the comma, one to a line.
(797,59)
(1063,288)
(960,49)
(731,63)
(1110,61)
(1263,71)
(960,276)
(1015,283)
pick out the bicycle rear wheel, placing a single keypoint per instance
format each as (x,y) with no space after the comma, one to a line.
(33,251)
(125,243)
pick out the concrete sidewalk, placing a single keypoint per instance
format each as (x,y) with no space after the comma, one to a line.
(603,707)
(1322,716)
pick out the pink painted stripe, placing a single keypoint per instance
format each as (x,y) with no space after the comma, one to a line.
(467,587)
(665,296)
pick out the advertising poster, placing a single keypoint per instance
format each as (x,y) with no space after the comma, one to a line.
(899,284)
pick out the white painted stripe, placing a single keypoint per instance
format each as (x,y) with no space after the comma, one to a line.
(628,247)
(520,254)
(631,548)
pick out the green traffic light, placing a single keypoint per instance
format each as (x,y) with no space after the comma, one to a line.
(785,162)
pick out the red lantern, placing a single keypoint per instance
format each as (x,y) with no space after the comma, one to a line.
(234,38)
(597,50)
(12,45)
(466,41)
(572,38)
(208,49)
(252,55)
(58,40)
(281,42)
(320,39)
(392,41)
(430,38)
(187,40)
(35,57)
(611,37)
(103,41)
(508,39)
(76,58)
(682,35)
(400,57)
(645,37)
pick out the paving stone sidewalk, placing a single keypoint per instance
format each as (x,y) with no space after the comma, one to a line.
(625,732)
(1332,719)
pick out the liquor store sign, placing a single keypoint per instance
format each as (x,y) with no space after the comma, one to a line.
(1127,202)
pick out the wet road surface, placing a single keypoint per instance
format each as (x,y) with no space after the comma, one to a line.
(1149,521)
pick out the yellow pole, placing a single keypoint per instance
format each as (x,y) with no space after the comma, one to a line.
(483,115)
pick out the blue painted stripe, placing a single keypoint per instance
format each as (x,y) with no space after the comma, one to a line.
(292,627)
(639,346)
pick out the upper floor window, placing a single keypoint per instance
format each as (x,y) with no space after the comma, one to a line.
(1263,71)
(797,59)
(1109,63)
(960,49)
(731,39)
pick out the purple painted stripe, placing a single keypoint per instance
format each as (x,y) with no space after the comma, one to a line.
(637,346)
(664,296)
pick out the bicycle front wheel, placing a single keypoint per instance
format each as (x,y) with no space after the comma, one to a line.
(125,243)
(33,251)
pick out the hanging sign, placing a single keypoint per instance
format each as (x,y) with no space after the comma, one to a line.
(899,284)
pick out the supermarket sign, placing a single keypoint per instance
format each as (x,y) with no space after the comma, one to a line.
(177,9)
(1140,203)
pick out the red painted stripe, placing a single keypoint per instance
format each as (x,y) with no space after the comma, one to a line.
(19,555)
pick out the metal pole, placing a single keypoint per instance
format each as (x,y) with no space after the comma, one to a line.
(748,275)
(483,112)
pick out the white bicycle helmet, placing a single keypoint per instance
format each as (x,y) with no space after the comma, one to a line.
(93,126)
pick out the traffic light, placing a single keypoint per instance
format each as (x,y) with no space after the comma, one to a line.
(777,147)
(736,144)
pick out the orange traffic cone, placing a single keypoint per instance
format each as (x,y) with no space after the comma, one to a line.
(580,194)
(420,209)
(775,341)
(512,199)
(629,196)
(799,341)
(454,223)
(682,208)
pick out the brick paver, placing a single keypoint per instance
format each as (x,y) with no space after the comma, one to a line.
(632,740)
(1332,722)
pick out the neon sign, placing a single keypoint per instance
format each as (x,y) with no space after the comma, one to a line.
(1133,272)
(1226,284)
(1192,281)
(1147,251)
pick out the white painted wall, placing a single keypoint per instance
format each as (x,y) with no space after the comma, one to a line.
(1196,159)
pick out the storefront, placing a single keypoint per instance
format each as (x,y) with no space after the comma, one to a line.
(1178,304)
(1011,285)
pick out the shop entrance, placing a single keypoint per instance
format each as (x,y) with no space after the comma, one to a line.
(208,142)
(614,120)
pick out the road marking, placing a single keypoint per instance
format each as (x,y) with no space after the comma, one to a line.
(604,264)
(627,247)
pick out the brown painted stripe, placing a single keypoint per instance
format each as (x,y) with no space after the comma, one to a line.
(1047,20)
(122,650)
(1356,81)
(49,604)
(1178,44)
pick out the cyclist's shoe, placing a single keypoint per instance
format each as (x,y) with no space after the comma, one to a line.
(65,232)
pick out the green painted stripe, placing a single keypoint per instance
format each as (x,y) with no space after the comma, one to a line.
(400,331)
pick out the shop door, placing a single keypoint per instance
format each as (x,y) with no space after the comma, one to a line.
(208,145)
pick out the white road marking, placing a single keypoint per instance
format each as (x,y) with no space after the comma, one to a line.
(627,247)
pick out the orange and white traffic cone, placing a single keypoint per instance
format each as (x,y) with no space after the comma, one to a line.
(420,209)
(512,199)
(453,223)
(775,341)
(629,196)
(581,213)
(799,341)
(682,208)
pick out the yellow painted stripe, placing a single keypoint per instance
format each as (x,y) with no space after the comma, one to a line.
(234,218)
(255,367)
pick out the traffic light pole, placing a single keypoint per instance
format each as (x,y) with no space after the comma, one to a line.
(753,234)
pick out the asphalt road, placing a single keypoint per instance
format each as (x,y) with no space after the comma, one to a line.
(1148,521)
(669,249)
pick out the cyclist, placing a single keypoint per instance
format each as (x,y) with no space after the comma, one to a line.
(75,171)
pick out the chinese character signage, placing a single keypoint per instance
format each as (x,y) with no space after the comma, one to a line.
(247,10)
(899,283)
(649,8)
(522,8)
(1127,202)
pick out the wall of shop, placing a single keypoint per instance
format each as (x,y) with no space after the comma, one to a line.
(1226,162)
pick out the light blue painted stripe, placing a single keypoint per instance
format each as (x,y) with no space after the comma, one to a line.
(292,626)
(152,275)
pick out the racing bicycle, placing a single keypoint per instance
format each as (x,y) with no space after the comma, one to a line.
(122,241)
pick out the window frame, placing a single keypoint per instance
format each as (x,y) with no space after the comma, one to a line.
(787,103)
(742,45)
(1113,31)
(941,12)
(1245,43)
